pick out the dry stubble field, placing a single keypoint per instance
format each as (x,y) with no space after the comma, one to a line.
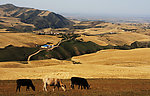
(130,67)
(99,87)
(127,64)
(122,73)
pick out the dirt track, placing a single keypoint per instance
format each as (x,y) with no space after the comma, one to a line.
(99,87)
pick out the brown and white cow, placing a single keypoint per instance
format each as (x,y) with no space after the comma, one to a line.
(53,82)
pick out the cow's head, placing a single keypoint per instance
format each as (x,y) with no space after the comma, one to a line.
(33,87)
(88,86)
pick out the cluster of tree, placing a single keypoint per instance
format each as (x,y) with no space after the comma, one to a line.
(128,29)
(2,26)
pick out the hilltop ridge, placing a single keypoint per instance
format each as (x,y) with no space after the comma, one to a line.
(39,18)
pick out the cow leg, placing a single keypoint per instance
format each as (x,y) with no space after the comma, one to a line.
(72,86)
(79,87)
(27,88)
(84,87)
(18,87)
(44,87)
(64,88)
(54,88)
(58,87)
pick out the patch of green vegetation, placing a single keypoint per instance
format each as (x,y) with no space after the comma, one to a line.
(12,53)
(1,21)
(2,26)
(124,47)
(64,51)
(137,44)
(71,47)
(68,49)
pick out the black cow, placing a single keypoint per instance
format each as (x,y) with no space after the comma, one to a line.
(25,82)
(80,82)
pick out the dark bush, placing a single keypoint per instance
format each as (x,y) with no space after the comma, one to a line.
(124,47)
(137,44)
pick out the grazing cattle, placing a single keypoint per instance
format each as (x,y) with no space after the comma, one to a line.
(80,82)
(25,82)
(53,82)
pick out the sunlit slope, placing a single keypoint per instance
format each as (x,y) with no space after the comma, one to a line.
(124,58)
(131,64)
(25,39)
(120,38)
(3,30)
(39,18)
(104,33)
(12,22)
(123,38)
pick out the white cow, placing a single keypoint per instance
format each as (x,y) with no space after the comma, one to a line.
(53,82)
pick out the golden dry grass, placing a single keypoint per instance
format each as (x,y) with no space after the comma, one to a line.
(120,38)
(116,39)
(123,38)
(11,22)
(44,13)
(94,39)
(25,39)
(3,30)
(131,64)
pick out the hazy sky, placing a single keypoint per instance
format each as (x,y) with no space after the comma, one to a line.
(88,7)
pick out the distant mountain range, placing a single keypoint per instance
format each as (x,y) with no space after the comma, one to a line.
(39,18)
(112,19)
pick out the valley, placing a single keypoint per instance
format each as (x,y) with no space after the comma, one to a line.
(112,56)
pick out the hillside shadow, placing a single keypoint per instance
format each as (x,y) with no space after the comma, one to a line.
(65,51)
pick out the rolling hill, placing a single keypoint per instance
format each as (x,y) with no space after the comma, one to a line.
(82,54)
(38,18)
(25,39)
(127,64)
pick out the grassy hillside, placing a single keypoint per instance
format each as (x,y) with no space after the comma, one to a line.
(14,24)
(131,64)
(104,33)
(25,39)
(65,50)
(38,18)
(11,53)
